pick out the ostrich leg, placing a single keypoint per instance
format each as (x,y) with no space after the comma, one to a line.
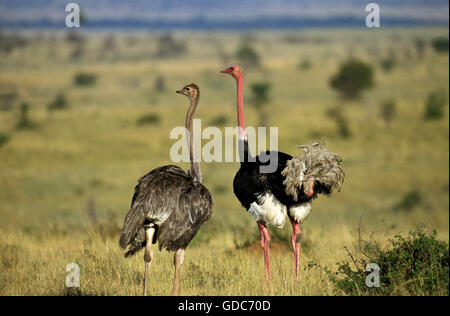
(178,260)
(295,240)
(148,255)
(265,239)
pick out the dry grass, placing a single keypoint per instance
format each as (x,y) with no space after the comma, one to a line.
(95,150)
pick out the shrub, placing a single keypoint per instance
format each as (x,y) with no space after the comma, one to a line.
(352,78)
(169,47)
(420,45)
(148,119)
(8,95)
(440,44)
(220,120)
(410,200)
(4,138)
(260,94)
(304,65)
(388,110)
(160,84)
(388,64)
(58,103)
(24,120)
(84,79)
(434,105)
(337,114)
(260,98)
(248,56)
(417,264)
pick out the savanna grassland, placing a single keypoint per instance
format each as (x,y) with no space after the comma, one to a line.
(67,174)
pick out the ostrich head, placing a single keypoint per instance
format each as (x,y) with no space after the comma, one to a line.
(235,70)
(191,91)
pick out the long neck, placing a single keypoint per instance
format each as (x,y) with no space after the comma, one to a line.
(244,153)
(195,165)
(240,108)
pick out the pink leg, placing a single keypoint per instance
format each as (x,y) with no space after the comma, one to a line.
(295,240)
(265,239)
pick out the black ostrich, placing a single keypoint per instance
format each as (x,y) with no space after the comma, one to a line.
(169,205)
(286,192)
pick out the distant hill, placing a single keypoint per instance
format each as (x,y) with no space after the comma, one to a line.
(224,14)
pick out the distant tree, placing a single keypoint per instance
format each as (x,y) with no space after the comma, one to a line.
(58,103)
(169,47)
(109,43)
(160,84)
(388,111)
(434,105)
(248,56)
(84,79)
(24,120)
(440,44)
(338,115)
(387,64)
(304,64)
(4,138)
(420,45)
(260,98)
(9,42)
(353,77)
(8,96)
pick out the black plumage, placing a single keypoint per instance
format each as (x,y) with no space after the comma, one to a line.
(249,183)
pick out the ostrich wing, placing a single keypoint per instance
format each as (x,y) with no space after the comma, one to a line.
(194,208)
(156,195)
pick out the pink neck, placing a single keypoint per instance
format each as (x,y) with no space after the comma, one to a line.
(240,107)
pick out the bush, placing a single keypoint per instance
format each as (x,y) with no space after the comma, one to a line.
(4,138)
(410,200)
(260,98)
(169,47)
(8,95)
(352,78)
(417,264)
(304,65)
(248,56)
(440,44)
(388,111)
(24,120)
(388,64)
(260,94)
(160,84)
(434,105)
(148,119)
(58,103)
(84,79)
(337,114)
(220,120)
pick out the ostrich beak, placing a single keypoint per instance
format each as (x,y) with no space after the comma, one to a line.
(227,71)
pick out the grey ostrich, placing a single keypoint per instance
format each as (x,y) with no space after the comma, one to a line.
(169,205)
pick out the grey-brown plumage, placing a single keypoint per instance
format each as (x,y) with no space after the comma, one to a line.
(314,165)
(168,198)
(169,205)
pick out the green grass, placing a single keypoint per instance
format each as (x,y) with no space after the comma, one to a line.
(95,151)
